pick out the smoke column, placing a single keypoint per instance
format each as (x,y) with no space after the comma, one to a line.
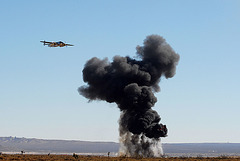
(131,84)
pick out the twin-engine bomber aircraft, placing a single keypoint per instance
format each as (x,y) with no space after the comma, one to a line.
(55,44)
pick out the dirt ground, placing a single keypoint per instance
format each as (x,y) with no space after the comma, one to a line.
(29,157)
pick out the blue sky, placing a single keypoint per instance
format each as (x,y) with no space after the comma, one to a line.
(39,97)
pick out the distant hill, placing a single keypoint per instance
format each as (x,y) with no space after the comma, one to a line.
(202,148)
(13,144)
(2,148)
(56,146)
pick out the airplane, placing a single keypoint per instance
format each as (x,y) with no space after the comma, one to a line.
(55,44)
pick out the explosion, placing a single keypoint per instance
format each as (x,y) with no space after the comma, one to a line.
(131,84)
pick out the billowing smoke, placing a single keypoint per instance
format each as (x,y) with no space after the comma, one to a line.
(131,84)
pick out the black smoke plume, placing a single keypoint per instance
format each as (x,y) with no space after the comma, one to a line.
(131,84)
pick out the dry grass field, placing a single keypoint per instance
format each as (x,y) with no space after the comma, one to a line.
(27,157)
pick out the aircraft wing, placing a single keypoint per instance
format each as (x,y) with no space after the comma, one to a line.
(69,45)
(46,42)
